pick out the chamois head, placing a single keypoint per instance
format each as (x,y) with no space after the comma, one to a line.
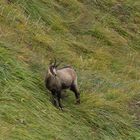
(52,67)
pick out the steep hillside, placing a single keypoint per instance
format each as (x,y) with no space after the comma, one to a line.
(100,38)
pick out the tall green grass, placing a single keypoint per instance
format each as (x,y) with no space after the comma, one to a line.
(100,39)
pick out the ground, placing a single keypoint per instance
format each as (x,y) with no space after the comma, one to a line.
(100,39)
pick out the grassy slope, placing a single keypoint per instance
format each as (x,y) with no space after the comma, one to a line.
(100,39)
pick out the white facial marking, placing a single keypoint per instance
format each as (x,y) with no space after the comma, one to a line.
(54,70)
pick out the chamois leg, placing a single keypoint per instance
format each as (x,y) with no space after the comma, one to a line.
(76,92)
(54,100)
(59,99)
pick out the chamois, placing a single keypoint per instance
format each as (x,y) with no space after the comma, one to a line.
(57,80)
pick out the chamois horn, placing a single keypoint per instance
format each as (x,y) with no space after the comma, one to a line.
(55,63)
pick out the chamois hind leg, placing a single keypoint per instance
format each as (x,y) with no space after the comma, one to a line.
(76,92)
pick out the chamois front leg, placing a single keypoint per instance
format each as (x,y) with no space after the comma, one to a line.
(59,99)
(54,99)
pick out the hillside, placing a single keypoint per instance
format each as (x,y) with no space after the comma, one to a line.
(100,39)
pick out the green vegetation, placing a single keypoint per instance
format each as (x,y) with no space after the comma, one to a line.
(100,38)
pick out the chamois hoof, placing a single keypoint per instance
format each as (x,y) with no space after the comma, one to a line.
(61,108)
(77,103)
